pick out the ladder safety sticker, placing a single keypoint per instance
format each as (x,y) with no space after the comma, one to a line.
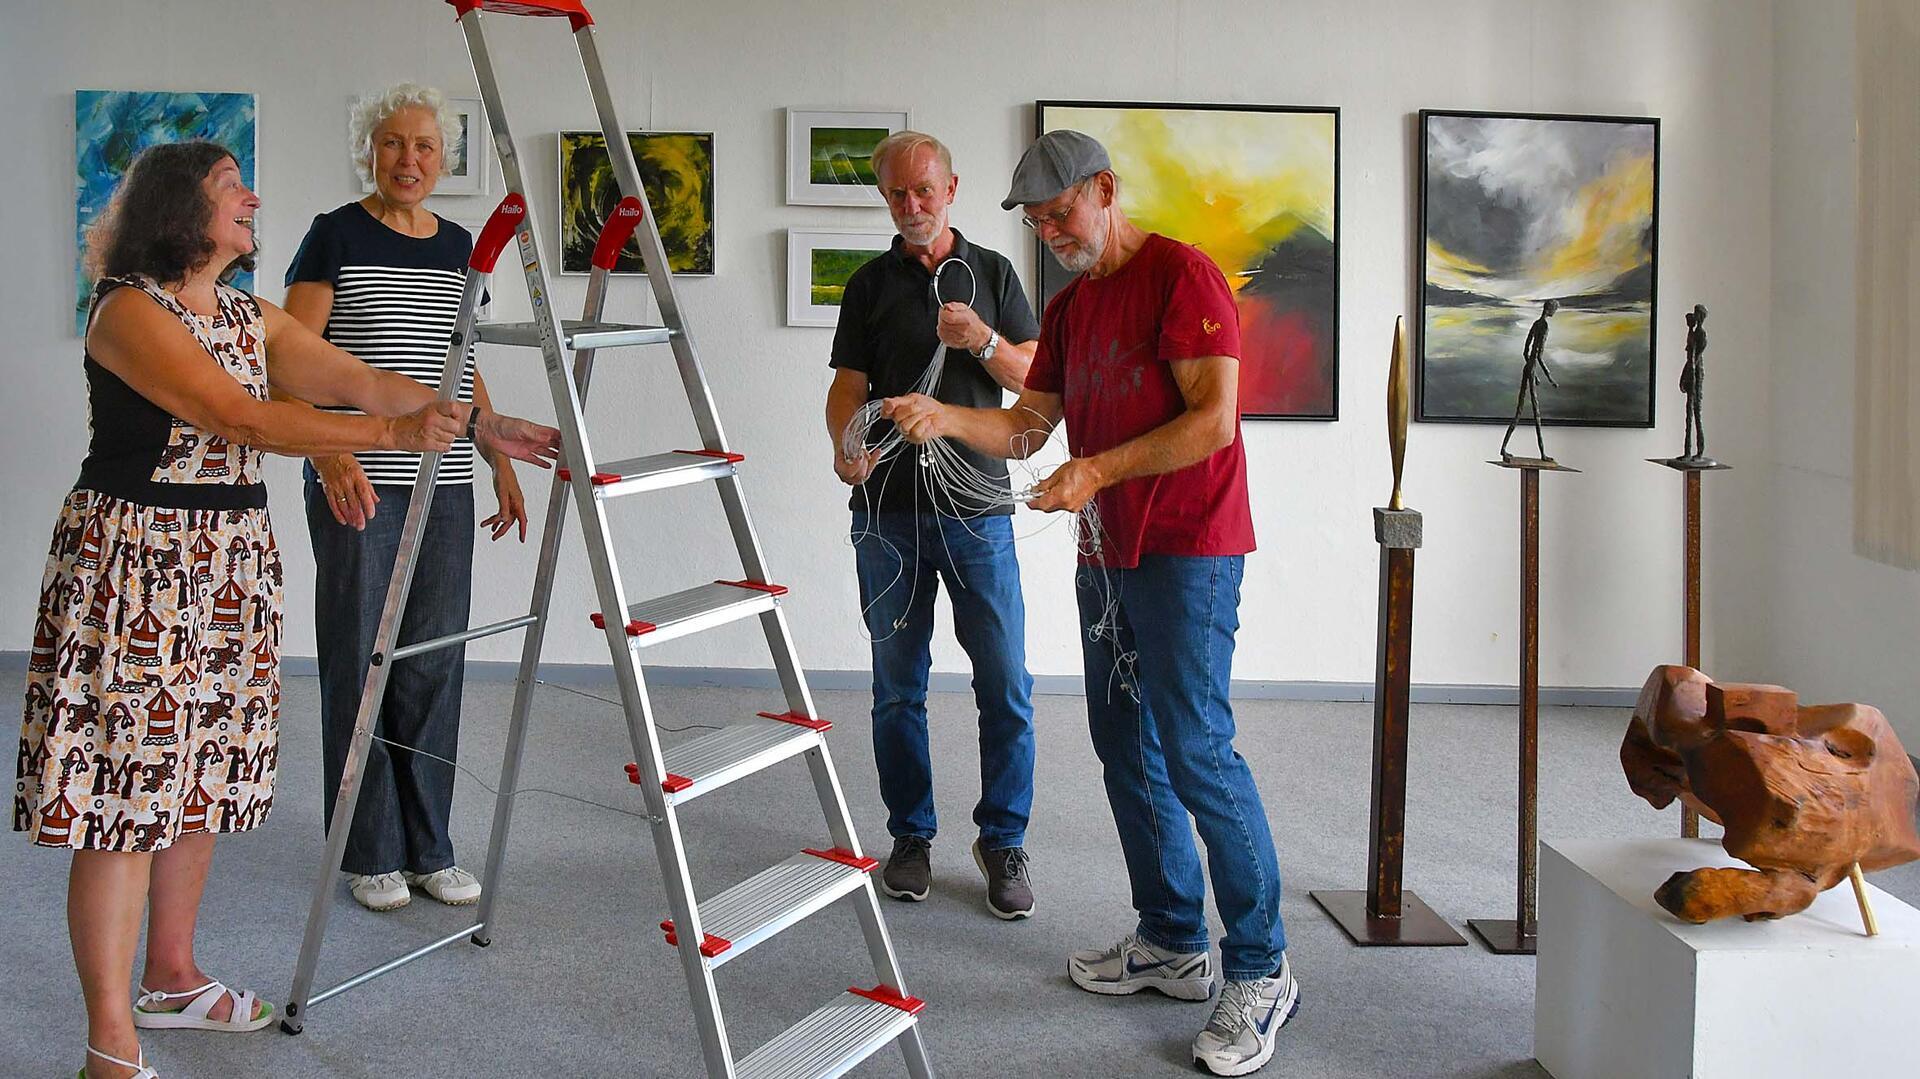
(845,857)
(880,994)
(798,720)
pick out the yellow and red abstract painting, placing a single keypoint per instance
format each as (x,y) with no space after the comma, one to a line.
(1257,189)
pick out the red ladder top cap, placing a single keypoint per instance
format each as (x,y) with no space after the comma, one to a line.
(574,10)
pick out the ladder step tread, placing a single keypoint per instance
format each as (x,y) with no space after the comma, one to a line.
(828,1043)
(579,335)
(758,908)
(711,761)
(656,471)
(693,609)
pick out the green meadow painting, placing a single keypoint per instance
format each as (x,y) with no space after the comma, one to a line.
(843,155)
(676,170)
(832,266)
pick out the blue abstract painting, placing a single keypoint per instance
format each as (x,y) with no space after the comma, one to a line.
(111,126)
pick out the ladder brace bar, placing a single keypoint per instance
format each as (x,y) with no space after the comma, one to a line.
(452,639)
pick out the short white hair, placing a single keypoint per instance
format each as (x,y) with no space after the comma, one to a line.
(372,111)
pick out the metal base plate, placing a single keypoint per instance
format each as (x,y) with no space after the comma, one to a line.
(1504,936)
(1417,927)
(1537,464)
(1690,464)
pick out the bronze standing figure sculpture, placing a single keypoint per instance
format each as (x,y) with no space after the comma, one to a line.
(1535,361)
(1693,383)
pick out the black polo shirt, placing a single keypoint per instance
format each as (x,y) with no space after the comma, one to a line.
(889,329)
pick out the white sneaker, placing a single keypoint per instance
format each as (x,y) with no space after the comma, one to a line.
(453,885)
(1133,965)
(379,891)
(1246,1023)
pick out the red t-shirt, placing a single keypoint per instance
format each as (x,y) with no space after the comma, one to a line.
(1106,346)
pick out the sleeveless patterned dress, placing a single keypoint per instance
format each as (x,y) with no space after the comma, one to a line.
(153,689)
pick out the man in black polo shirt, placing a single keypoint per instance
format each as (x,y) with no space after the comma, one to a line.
(909,534)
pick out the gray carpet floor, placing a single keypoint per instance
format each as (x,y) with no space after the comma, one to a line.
(579,983)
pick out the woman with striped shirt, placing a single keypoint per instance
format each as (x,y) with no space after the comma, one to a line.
(381,278)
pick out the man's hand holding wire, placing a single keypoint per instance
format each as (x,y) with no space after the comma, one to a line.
(919,418)
(1069,487)
(853,471)
(961,328)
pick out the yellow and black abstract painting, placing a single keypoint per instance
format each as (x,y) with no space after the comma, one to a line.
(1519,209)
(676,169)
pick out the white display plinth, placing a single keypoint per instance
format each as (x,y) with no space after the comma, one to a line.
(1625,989)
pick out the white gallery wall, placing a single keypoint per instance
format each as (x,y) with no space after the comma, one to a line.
(1843,627)
(969,71)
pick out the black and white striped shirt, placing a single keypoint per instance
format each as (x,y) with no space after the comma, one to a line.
(395,300)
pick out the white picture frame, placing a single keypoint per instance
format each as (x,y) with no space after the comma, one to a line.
(810,132)
(470,163)
(805,307)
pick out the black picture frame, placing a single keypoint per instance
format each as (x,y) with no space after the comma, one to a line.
(1441,396)
(1322,272)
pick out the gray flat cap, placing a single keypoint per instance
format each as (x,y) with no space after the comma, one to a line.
(1056,161)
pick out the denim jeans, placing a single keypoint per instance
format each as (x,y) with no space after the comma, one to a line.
(405,798)
(1169,754)
(901,559)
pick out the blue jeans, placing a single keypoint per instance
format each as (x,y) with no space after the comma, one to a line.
(400,821)
(901,559)
(1169,754)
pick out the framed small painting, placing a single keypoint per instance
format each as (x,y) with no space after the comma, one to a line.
(676,171)
(819,262)
(1518,210)
(830,155)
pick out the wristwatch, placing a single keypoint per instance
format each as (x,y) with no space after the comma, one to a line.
(993,342)
(473,423)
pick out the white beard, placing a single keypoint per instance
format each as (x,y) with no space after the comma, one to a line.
(1085,255)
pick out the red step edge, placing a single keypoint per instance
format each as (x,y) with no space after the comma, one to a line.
(798,720)
(598,479)
(880,994)
(723,455)
(634,628)
(758,586)
(844,857)
(710,945)
(674,784)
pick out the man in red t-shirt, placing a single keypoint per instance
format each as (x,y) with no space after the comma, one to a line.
(1139,354)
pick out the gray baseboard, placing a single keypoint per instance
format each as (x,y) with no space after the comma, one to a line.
(14,662)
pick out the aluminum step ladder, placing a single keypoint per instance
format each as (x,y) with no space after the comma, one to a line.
(707,932)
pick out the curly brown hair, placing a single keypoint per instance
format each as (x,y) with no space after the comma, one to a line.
(158,220)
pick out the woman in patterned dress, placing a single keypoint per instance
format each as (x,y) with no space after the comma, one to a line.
(153,688)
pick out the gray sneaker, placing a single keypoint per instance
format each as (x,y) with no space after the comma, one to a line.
(909,872)
(1246,1023)
(1133,965)
(1009,893)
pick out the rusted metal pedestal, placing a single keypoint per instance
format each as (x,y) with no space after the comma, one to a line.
(1517,935)
(1384,914)
(1690,600)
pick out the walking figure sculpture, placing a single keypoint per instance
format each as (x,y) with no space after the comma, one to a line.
(1534,353)
(1693,382)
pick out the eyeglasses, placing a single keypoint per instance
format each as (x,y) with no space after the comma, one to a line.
(1057,218)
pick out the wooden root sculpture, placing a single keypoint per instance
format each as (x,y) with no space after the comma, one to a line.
(1803,792)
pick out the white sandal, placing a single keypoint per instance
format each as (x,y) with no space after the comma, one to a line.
(144,1072)
(195,1016)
